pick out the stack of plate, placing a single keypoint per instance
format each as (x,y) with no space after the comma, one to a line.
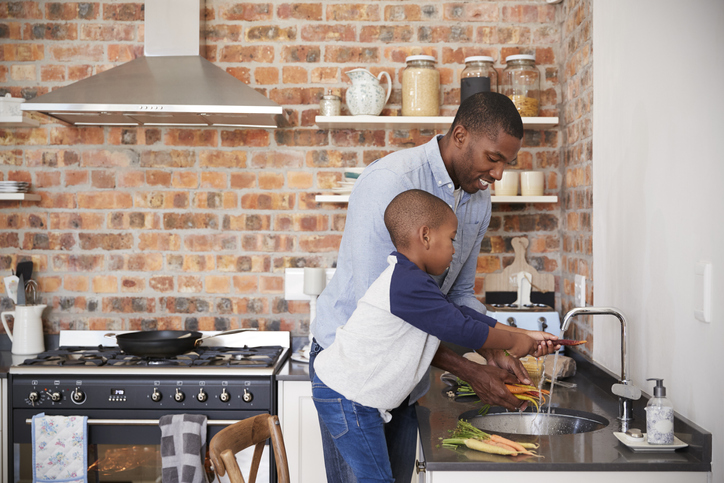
(14,187)
(345,186)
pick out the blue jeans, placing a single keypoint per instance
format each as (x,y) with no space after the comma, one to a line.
(358,433)
(400,433)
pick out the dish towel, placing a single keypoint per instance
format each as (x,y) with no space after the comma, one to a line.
(60,448)
(183,441)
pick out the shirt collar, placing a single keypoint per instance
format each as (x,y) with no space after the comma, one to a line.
(437,166)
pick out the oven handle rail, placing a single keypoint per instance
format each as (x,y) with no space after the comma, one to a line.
(145,422)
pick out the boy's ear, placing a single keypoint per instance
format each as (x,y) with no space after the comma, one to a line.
(424,234)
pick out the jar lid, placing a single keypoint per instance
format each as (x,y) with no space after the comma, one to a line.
(420,57)
(330,96)
(520,57)
(478,58)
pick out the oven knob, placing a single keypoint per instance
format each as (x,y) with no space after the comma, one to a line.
(543,324)
(224,396)
(179,396)
(202,396)
(55,397)
(247,397)
(77,396)
(156,396)
(33,397)
(511,322)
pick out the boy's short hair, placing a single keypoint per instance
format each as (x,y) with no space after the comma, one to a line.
(410,210)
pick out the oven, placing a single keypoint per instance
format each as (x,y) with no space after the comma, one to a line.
(124,397)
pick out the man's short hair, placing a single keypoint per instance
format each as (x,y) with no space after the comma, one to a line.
(410,210)
(488,113)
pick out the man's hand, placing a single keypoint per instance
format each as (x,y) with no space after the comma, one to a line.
(488,381)
(508,363)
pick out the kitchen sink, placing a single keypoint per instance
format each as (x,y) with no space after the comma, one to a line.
(559,421)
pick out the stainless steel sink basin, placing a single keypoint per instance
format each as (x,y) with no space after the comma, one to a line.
(559,421)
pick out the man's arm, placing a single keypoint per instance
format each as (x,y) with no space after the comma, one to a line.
(488,381)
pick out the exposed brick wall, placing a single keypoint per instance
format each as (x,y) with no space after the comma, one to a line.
(143,228)
(577,130)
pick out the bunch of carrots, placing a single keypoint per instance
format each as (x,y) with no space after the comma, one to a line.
(465,434)
(521,391)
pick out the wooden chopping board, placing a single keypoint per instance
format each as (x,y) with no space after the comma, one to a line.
(506,281)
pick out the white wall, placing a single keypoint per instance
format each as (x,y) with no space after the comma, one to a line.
(658,196)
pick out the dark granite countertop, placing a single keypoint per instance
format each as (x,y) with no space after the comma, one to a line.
(294,371)
(593,451)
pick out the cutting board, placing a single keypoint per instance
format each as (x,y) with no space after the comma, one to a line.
(506,281)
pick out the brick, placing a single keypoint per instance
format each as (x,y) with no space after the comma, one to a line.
(23,137)
(161,199)
(387,33)
(331,159)
(76,221)
(242,54)
(246,11)
(104,32)
(215,200)
(299,179)
(327,33)
(75,283)
(79,72)
(402,13)
(105,284)
(234,263)
(20,10)
(266,75)
(267,242)
(300,137)
(22,72)
(325,75)
(245,137)
(129,305)
(246,222)
(11,158)
(123,52)
(206,243)
(146,262)
(320,243)
(107,159)
(245,284)
(100,200)
(353,12)
(189,284)
(344,54)
(132,284)
(159,241)
(301,53)
(268,201)
(169,159)
(271,284)
(161,284)
(300,11)
(277,159)
(191,137)
(124,12)
(185,179)
(9,240)
(271,181)
(189,221)
(223,33)
(47,179)
(243,180)
(270,33)
(294,75)
(22,52)
(76,53)
(222,159)
(488,264)
(529,13)
(50,284)
(50,31)
(217,284)
(103,179)
(91,241)
(213,180)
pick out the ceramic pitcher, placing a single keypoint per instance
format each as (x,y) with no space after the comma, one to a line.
(366,96)
(27,335)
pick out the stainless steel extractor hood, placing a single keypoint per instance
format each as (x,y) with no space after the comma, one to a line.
(171,86)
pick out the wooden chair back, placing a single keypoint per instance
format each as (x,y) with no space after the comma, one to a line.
(244,434)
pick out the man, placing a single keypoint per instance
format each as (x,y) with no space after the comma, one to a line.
(458,167)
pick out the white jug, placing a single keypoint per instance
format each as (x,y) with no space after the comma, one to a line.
(366,96)
(27,337)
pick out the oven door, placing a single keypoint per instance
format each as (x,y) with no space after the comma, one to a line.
(121,449)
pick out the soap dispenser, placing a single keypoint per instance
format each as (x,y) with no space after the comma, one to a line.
(659,416)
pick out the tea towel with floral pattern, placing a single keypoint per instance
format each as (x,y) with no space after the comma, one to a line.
(60,449)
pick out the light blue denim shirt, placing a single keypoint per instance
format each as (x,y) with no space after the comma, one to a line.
(366,242)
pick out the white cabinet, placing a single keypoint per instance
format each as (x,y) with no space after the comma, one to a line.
(559,476)
(300,427)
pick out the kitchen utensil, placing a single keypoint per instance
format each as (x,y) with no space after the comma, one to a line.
(25,269)
(367,96)
(21,291)
(11,287)
(27,334)
(163,343)
(31,292)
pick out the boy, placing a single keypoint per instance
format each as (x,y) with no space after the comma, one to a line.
(385,348)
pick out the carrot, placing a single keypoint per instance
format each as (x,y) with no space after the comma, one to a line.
(568,342)
(530,445)
(517,389)
(499,439)
(478,445)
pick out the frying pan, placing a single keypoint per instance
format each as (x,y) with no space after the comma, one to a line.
(163,343)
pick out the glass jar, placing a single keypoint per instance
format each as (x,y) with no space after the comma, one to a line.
(479,75)
(420,87)
(330,105)
(521,83)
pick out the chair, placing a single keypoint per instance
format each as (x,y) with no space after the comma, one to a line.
(248,432)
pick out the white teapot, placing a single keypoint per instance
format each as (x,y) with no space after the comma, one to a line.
(366,96)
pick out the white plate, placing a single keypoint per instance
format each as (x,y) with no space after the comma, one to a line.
(642,445)
(342,191)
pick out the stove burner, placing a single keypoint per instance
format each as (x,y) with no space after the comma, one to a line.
(265,356)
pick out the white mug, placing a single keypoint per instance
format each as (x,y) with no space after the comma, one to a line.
(531,183)
(508,184)
(27,335)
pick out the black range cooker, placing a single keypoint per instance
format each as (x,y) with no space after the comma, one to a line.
(124,396)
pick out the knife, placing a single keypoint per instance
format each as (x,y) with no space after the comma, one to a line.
(25,269)
(21,290)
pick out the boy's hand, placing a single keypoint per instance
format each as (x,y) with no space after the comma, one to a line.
(523,345)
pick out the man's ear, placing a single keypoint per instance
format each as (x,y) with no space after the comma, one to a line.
(459,135)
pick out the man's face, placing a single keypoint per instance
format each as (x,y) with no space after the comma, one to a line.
(482,160)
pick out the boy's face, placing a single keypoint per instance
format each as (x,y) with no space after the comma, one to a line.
(439,256)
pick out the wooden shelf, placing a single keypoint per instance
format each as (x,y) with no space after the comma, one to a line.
(412,122)
(19,197)
(493,199)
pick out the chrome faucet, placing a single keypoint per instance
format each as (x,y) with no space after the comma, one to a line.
(627,393)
